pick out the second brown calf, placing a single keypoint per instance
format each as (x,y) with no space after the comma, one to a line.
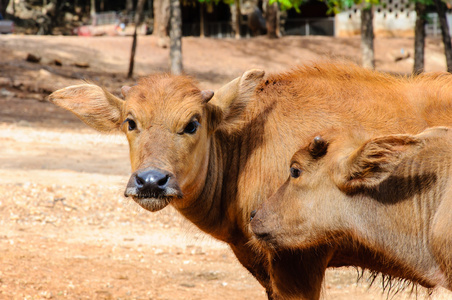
(391,194)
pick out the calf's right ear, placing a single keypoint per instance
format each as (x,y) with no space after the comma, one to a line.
(374,161)
(92,104)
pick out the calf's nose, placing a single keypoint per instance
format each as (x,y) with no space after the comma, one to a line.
(149,182)
(262,225)
(259,229)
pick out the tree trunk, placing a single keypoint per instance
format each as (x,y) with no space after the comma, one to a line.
(3,6)
(92,12)
(176,38)
(11,8)
(367,37)
(441,10)
(157,16)
(151,8)
(129,6)
(419,38)
(238,19)
(201,22)
(161,22)
(138,20)
(271,19)
(54,13)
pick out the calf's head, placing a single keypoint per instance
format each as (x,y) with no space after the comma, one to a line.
(168,122)
(310,208)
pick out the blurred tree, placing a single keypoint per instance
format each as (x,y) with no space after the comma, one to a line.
(367,36)
(3,5)
(367,30)
(272,14)
(202,11)
(161,22)
(238,19)
(419,35)
(92,12)
(129,6)
(272,19)
(441,10)
(235,12)
(11,8)
(176,38)
(138,21)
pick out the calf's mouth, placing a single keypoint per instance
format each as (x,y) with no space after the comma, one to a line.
(153,189)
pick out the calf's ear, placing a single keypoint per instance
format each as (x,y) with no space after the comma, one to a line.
(374,161)
(229,102)
(92,104)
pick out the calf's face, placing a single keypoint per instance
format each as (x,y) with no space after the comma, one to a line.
(167,129)
(312,206)
(169,123)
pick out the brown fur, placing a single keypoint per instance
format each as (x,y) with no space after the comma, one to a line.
(399,205)
(248,132)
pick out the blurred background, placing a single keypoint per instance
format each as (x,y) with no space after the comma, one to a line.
(66,231)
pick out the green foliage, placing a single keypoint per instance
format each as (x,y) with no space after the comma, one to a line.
(209,1)
(336,6)
(288,4)
(216,1)
(425,2)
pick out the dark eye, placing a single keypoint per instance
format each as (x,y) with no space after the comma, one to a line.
(295,172)
(131,124)
(191,127)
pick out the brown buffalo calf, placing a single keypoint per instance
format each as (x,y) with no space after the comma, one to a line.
(391,194)
(216,158)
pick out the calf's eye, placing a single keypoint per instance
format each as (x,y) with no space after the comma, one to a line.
(191,127)
(295,172)
(131,124)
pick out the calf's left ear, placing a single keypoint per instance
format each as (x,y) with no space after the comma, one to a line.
(229,102)
(374,161)
(92,104)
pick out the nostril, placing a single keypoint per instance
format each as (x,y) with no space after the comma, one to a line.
(162,182)
(140,182)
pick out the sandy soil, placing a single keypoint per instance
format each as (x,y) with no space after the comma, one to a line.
(66,231)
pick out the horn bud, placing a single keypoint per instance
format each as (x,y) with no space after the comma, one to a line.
(318,147)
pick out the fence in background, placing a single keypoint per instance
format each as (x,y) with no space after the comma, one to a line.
(309,26)
(432,28)
(301,26)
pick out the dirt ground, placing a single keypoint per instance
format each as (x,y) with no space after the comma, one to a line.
(67,232)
